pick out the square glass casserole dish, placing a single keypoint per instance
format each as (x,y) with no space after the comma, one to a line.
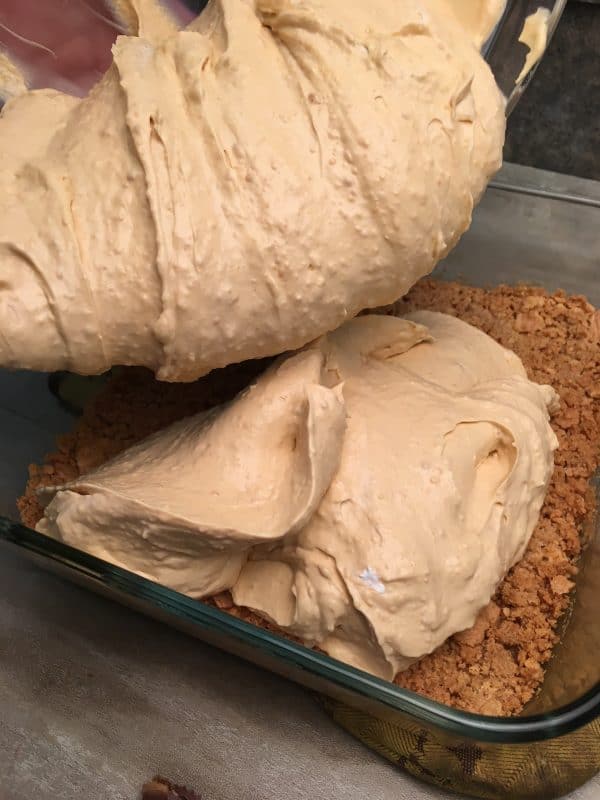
(532,226)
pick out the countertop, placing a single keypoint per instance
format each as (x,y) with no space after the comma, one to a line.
(96,699)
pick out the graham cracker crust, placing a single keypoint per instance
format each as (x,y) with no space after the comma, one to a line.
(497,665)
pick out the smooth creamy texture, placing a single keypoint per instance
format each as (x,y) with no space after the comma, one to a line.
(428,457)
(238,188)
(183,507)
(478,17)
(534,36)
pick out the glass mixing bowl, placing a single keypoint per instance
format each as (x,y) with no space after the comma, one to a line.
(506,54)
(66,43)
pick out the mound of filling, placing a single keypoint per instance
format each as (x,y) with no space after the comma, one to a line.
(318,587)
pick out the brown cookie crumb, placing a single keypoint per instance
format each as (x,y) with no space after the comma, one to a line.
(162,789)
(497,665)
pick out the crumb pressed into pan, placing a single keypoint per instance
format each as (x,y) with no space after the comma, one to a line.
(497,665)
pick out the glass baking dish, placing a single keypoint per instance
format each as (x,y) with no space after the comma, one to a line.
(531,226)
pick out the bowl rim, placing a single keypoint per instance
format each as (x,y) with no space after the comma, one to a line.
(488,49)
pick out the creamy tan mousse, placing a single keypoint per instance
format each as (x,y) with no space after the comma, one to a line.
(367,494)
(238,188)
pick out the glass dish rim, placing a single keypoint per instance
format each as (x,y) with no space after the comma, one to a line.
(499,730)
